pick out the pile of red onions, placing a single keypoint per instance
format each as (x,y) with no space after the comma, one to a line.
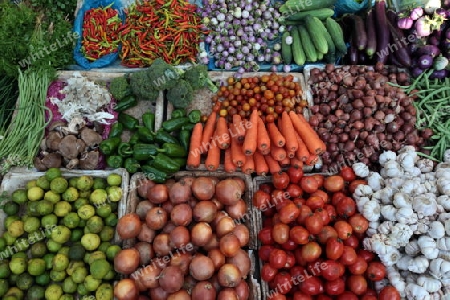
(358,114)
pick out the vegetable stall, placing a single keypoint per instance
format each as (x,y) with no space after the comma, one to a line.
(275,150)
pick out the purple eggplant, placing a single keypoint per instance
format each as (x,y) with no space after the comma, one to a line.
(433,40)
(399,40)
(382,29)
(425,61)
(405,23)
(431,50)
(359,33)
(371,34)
(353,53)
(439,74)
(423,27)
(416,72)
(447,33)
(416,13)
(441,12)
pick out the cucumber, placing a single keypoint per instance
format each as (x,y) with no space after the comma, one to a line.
(286,50)
(307,45)
(297,50)
(335,30)
(317,34)
(331,54)
(321,14)
(293,6)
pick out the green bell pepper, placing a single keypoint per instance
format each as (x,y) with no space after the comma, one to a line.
(174,124)
(116,130)
(148,119)
(154,174)
(109,146)
(178,113)
(195,116)
(164,163)
(188,127)
(144,151)
(185,137)
(126,103)
(145,135)
(181,161)
(162,137)
(134,139)
(172,150)
(125,149)
(131,165)
(114,161)
(128,122)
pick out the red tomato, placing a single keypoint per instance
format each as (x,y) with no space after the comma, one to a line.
(367,255)
(295,174)
(331,212)
(265,236)
(311,285)
(314,223)
(335,287)
(290,261)
(389,293)
(324,214)
(337,197)
(305,211)
(334,248)
(279,199)
(331,270)
(352,241)
(261,200)
(276,219)
(284,282)
(297,271)
(268,272)
(347,296)
(347,173)
(311,251)
(346,207)
(370,292)
(344,229)
(280,180)
(299,257)
(326,233)
(280,233)
(319,178)
(264,252)
(289,213)
(266,188)
(315,202)
(354,184)
(269,212)
(294,190)
(357,284)
(348,256)
(376,271)
(299,235)
(333,183)
(368,297)
(277,296)
(358,267)
(277,258)
(359,223)
(323,297)
(309,184)
(315,268)
(289,245)
(321,194)
(300,296)
(299,201)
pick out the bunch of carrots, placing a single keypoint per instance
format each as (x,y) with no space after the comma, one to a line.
(253,146)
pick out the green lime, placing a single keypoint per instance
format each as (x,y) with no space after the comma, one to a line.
(85,183)
(25,281)
(60,234)
(36,266)
(107,233)
(64,250)
(71,220)
(49,220)
(98,197)
(82,224)
(59,185)
(12,279)
(9,239)
(67,297)
(20,196)
(111,220)
(60,262)
(111,275)
(115,193)
(48,258)
(80,202)
(21,244)
(31,224)
(114,179)
(85,194)
(52,197)
(11,208)
(73,182)
(104,292)
(73,265)
(69,286)
(10,219)
(94,224)
(32,208)
(114,206)
(38,249)
(35,193)
(30,184)
(2,243)
(62,208)
(16,292)
(76,252)
(15,229)
(70,195)
(20,254)
(43,280)
(91,283)
(76,235)
(79,274)
(86,211)
(103,210)
(4,286)
(81,290)
(90,241)
(99,268)
(112,251)
(53,173)
(96,255)
(18,265)
(53,292)
(5,272)
(104,246)
(57,276)
(86,257)
(99,183)
(43,183)
(45,207)
(53,246)
(36,293)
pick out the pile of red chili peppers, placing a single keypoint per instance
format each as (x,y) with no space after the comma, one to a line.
(100,32)
(169,29)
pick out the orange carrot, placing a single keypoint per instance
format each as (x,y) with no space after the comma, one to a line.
(290,154)
(312,159)
(302,152)
(274,166)
(278,153)
(238,129)
(222,136)
(288,131)
(228,165)
(251,135)
(297,163)
(208,131)
(263,136)
(285,162)
(308,135)
(237,154)
(195,150)
(249,165)
(213,158)
(261,166)
(275,135)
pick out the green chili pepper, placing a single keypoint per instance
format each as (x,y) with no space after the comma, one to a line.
(174,124)
(195,116)
(116,130)
(126,103)
(125,149)
(148,119)
(131,165)
(178,113)
(188,127)
(144,151)
(109,146)
(162,137)
(172,150)
(134,139)
(164,163)
(114,161)
(154,174)
(145,135)
(185,137)
(128,122)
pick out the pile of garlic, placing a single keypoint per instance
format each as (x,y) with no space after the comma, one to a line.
(408,208)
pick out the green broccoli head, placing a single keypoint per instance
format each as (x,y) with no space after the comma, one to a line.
(140,87)
(198,78)
(162,76)
(181,95)
(119,87)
